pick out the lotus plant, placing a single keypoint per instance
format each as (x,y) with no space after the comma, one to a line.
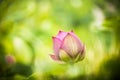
(67,48)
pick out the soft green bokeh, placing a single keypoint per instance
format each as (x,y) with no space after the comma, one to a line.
(27,27)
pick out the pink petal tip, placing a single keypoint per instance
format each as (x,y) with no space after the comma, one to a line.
(53,57)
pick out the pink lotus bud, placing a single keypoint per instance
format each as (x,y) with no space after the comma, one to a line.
(67,47)
(10,59)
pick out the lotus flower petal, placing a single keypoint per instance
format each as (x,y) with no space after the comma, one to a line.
(77,39)
(56,45)
(71,45)
(61,35)
(82,53)
(64,56)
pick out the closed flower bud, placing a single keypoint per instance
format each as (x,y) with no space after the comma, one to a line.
(67,48)
(10,59)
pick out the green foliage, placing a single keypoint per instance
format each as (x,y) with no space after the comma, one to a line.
(26,28)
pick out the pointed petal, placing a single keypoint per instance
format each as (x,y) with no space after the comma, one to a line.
(56,45)
(71,45)
(61,35)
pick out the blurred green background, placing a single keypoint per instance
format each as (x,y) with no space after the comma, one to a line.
(26,28)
